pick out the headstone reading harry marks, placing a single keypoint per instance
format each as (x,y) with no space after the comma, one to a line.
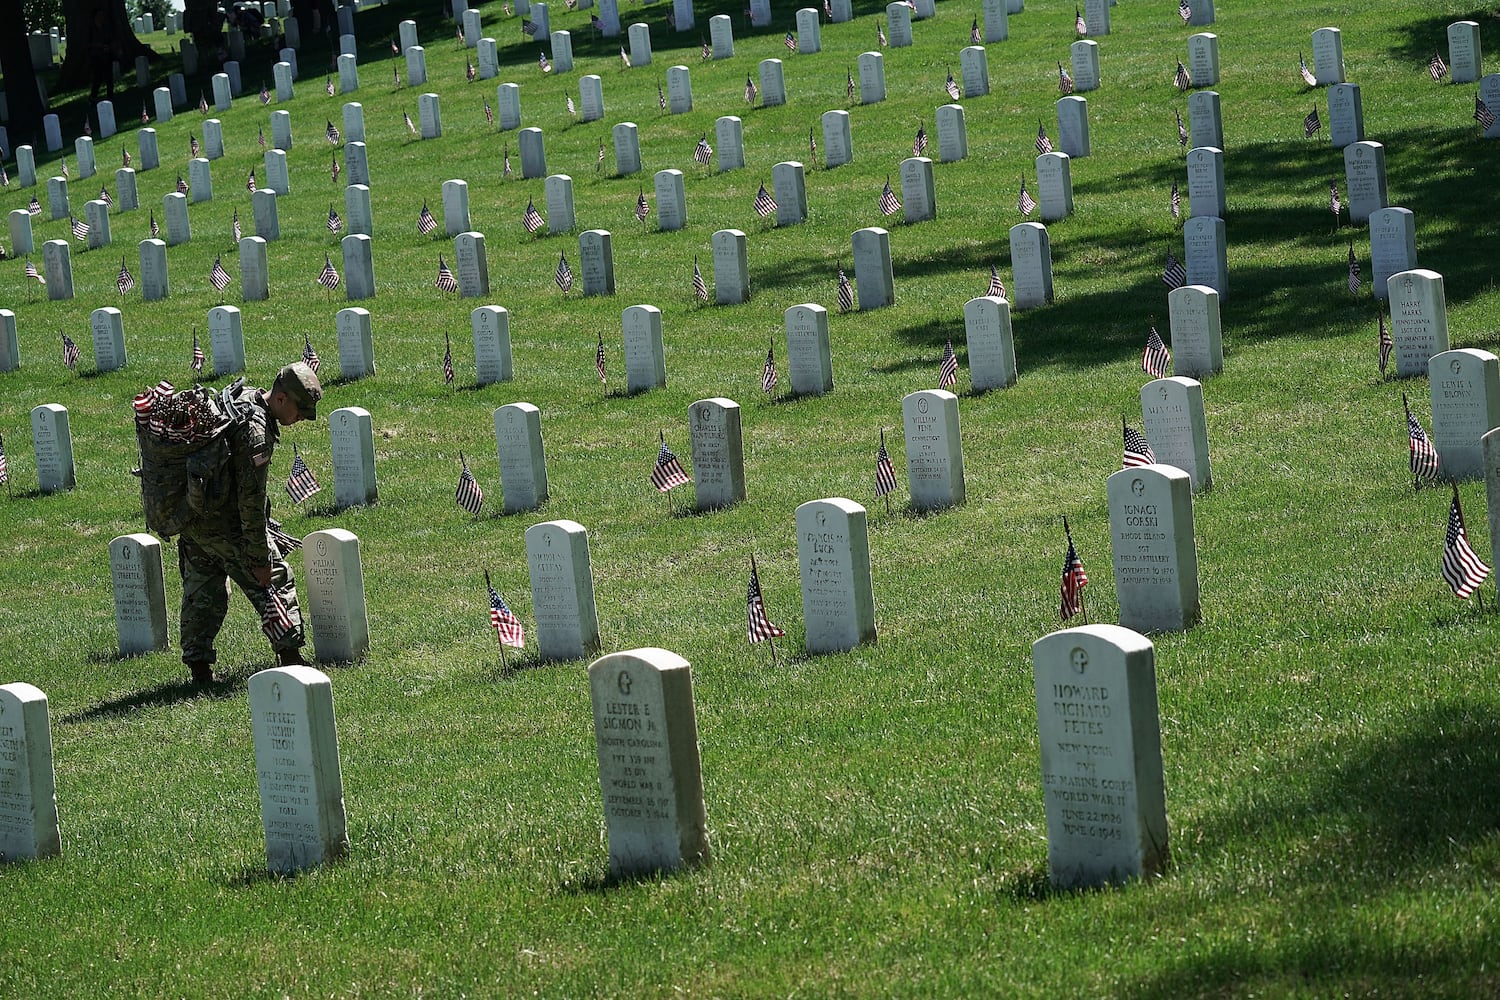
(1172,411)
(934,451)
(1101,756)
(1419,319)
(833,554)
(1465,386)
(808,355)
(352,449)
(297,764)
(523,464)
(645,358)
(28,787)
(562,590)
(492,357)
(140,594)
(718,453)
(52,441)
(992,349)
(1155,555)
(650,775)
(1393,246)
(874,279)
(1197,341)
(336,595)
(356,343)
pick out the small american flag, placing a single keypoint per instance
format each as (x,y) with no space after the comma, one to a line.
(845,291)
(764,204)
(572,108)
(444,281)
(563,275)
(661,98)
(1182,78)
(396,77)
(768,372)
(260,137)
(952,86)
(1025,202)
(528,27)
(599,160)
(880,34)
(202,106)
(975,37)
(1386,345)
(1423,458)
(700,287)
(468,495)
(250,181)
(1353,271)
(80,228)
(301,483)
(1043,143)
(1307,75)
(919,144)
(1137,451)
(506,7)
(310,356)
(4,177)
(667,473)
(532,219)
(4,470)
(182,187)
(469,72)
(812,147)
(703,152)
(1174,275)
(848,85)
(425,222)
(1074,579)
(1176,202)
(70,352)
(193,147)
(328,277)
(790,41)
(641,208)
(328,85)
(1156,358)
(103,191)
(276,621)
(124,281)
(332,133)
(33,273)
(333,169)
(1064,81)
(335,224)
(760,625)
(1182,132)
(1334,204)
(1462,567)
(125,157)
(196,364)
(997,287)
(750,91)
(885,471)
(447,360)
(65,166)
(1312,124)
(543,62)
(889,204)
(155,229)
(146,118)
(217,276)
(948,371)
(705,53)
(35,208)
(599,362)
(410,126)
(265,95)
(1080,26)
(1483,115)
(1437,69)
(506,625)
(489,114)
(234,227)
(1184,11)
(624,57)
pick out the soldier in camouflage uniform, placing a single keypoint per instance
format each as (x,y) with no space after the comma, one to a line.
(236,543)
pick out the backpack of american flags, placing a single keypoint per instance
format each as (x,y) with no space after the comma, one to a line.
(184,443)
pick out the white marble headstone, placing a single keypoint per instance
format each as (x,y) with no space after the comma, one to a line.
(356,343)
(731,267)
(523,463)
(934,451)
(28,787)
(1155,555)
(833,556)
(1465,388)
(1393,246)
(718,453)
(226,340)
(1197,340)
(351,437)
(1419,319)
(991,346)
(645,357)
(492,356)
(108,329)
(135,572)
(808,354)
(1176,428)
(874,279)
(335,595)
(596,261)
(562,590)
(1031,265)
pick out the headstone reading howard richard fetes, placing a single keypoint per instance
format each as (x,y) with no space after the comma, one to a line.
(57,268)
(772,83)
(558,191)
(471,265)
(140,594)
(838,147)
(789,185)
(1172,411)
(871,77)
(1054,185)
(995,20)
(533,153)
(1328,56)
(28,786)
(154,283)
(627,140)
(596,261)
(671,200)
(1346,115)
(650,776)
(1465,63)
(562,590)
(1205,254)
(917,193)
(1102,774)
(492,357)
(351,438)
(523,463)
(731,267)
(1364,173)
(255,282)
(1073,126)
(455,207)
(356,343)
(1393,246)
(1203,59)
(359,268)
(808,354)
(336,595)
(1084,55)
(874,278)
(1031,265)
(833,553)
(721,36)
(991,346)
(645,357)
(1197,341)
(718,453)
(1205,119)
(934,451)
(1419,319)
(297,765)
(1465,387)
(1205,176)
(1155,554)
(108,329)
(952,134)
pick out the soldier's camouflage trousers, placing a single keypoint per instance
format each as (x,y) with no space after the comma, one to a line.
(208,562)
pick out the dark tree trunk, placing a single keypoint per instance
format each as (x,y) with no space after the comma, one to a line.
(21,95)
(79,18)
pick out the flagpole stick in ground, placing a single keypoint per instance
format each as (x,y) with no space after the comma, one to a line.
(504,666)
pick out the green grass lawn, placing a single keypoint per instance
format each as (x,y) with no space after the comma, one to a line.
(1330,731)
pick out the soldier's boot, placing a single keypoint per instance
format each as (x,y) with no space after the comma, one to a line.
(290,657)
(203,672)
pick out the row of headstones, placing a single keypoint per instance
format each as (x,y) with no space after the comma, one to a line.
(1465,59)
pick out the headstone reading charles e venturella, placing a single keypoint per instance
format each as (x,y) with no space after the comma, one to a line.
(28,786)
(650,775)
(1155,555)
(718,453)
(297,766)
(1102,774)
(336,595)
(833,555)
(135,573)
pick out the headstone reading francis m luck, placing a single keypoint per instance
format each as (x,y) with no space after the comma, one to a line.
(1101,756)
(992,349)
(336,595)
(297,764)
(52,441)
(718,453)
(1172,411)
(1155,555)
(140,596)
(650,776)
(1465,386)
(808,356)
(28,786)
(1197,341)
(1419,319)
(523,463)
(934,451)
(562,590)
(833,555)
(492,356)
(352,452)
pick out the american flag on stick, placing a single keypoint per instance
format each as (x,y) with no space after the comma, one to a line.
(1437,69)
(265,95)
(468,495)
(328,85)
(505,170)
(196,364)
(703,152)
(217,276)
(599,362)
(1182,78)
(1064,81)
(504,621)
(193,147)
(250,181)
(103,191)
(543,62)
(445,281)
(764,204)
(300,484)
(334,169)
(661,97)
(812,147)
(1312,124)
(332,133)
(641,208)
(667,473)
(790,41)
(275,620)
(1385,342)
(1353,271)
(182,187)
(572,108)
(35,208)
(410,126)
(768,372)
(260,137)
(70,352)
(310,356)
(447,359)
(1483,115)
(335,224)
(1176,202)
(1156,358)
(1080,26)
(1074,579)
(1462,568)
(1043,143)
(1184,11)
(997,287)
(845,291)
(1025,202)
(328,277)
(880,34)
(154,228)
(489,113)
(948,370)
(124,281)
(700,287)
(919,144)
(425,222)
(760,626)
(1174,275)
(750,91)
(1137,451)
(531,218)
(563,274)
(1307,75)
(889,204)
(952,86)
(1182,132)
(1423,457)
(975,38)
(1334,204)
(885,473)
(4,469)
(624,57)
(79,227)
(34,274)
(469,72)
(848,85)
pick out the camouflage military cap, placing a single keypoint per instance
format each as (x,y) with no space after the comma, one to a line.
(299,382)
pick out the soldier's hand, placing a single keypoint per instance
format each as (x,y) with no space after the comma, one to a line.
(262,575)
